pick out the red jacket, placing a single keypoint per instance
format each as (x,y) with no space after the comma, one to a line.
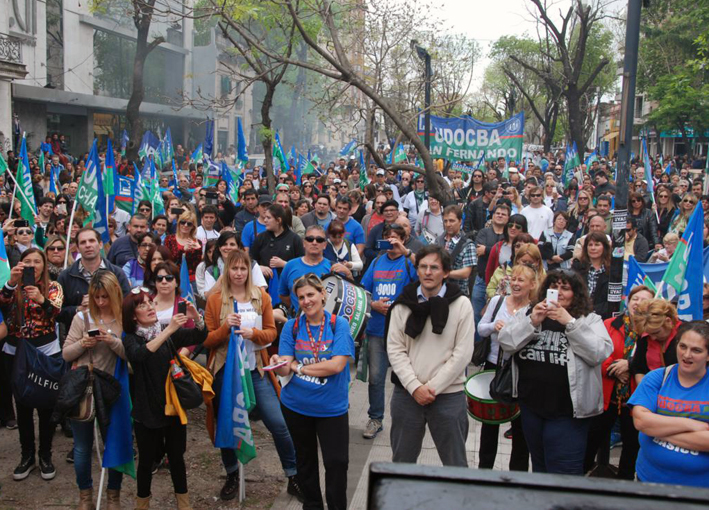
(616,330)
(493,260)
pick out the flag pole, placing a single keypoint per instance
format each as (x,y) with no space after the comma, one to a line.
(97,438)
(242,482)
(68,236)
(12,202)
(17,186)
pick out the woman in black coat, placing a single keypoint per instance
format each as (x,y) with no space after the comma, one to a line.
(646,219)
(594,267)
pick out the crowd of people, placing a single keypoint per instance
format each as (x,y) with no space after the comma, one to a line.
(445,272)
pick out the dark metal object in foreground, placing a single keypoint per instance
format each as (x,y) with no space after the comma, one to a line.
(409,486)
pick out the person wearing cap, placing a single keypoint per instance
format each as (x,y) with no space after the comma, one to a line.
(256,226)
(380,177)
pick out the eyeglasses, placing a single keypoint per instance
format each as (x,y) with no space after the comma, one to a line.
(164,278)
(186,223)
(55,248)
(145,245)
(515,225)
(145,305)
(313,239)
(390,210)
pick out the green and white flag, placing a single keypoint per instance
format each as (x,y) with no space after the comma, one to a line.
(87,194)
(3,165)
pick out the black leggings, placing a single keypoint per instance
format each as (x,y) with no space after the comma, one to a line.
(599,436)
(174,439)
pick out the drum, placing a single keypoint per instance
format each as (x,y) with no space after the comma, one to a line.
(481,406)
(347,300)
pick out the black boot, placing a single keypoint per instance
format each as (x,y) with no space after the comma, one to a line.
(25,467)
(294,489)
(231,486)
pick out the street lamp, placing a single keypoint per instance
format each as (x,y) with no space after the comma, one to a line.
(426,57)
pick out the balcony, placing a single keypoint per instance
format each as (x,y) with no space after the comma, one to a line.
(11,66)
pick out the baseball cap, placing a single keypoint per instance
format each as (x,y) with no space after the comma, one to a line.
(381,172)
(265,199)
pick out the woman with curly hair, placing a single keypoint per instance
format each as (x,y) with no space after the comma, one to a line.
(557,347)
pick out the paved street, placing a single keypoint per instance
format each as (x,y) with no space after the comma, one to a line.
(363,451)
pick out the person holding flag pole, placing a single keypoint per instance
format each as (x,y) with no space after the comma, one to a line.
(242,313)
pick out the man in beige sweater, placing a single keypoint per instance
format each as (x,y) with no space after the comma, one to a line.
(429,343)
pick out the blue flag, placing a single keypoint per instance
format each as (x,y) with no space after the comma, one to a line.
(209,138)
(185,287)
(302,163)
(648,171)
(241,153)
(53,179)
(348,148)
(233,429)
(273,288)
(4,262)
(118,452)
(124,139)
(46,147)
(101,218)
(636,276)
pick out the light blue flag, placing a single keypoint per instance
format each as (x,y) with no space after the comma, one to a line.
(636,276)
(591,158)
(648,170)
(4,262)
(273,288)
(102,211)
(241,153)
(185,287)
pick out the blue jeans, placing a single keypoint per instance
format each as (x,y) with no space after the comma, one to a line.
(378,365)
(479,300)
(269,407)
(557,445)
(83,450)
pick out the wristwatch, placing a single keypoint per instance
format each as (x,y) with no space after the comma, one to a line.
(570,324)
(299,369)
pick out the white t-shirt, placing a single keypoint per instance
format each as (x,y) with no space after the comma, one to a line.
(539,219)
(205,235)
(250,318)
(256,277)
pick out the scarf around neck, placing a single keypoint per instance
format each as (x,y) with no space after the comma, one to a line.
(436,308)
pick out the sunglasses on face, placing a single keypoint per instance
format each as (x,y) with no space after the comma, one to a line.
(314,239)
(187,223)
(55,248)
(515,225)
(144,209)
(164,278)
(24,232)
(583,198)
(337,233)
(687,201)
(536,195)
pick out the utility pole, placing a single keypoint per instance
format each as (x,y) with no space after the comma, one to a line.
(426,57)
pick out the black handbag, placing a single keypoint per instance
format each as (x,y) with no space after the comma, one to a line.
(482,348)
(188,391)
(501,385)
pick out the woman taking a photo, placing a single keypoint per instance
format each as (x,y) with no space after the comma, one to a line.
(102,351)
(185,242)
(618,385)
(254,321)
(554,344)
(674,443)
(594,266)
(657,323)
(315,400)
(557,244)
(150,354)
(523,286)
(30,312)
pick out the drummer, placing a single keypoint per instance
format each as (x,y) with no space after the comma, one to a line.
(385,278)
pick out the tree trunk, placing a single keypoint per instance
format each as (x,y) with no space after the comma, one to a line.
(576,119)
(267,136)
(135,124)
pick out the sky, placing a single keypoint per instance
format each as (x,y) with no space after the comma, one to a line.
(488,20)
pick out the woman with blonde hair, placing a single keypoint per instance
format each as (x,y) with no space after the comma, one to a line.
(241,304)
(657,322)
(101,351)
(184,242)
(526,254)
(523,290)
(686,208)
(665,209)
(578,212)
(513,196)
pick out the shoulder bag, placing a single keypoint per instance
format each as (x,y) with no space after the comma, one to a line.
(188,391)
(482,348)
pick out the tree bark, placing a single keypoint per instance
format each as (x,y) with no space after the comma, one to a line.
(267,136)
(576,119)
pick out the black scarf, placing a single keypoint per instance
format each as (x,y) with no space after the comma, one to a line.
(435,307)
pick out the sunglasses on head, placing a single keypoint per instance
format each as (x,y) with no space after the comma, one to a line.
(314,239)
(138,290)
(164,278)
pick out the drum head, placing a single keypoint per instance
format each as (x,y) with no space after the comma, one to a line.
(333,293)
(477,386)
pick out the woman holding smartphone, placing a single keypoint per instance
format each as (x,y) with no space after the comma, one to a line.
(149,353)
(95,338)
(30,304)
(254,322)
(315,399)
(557,347)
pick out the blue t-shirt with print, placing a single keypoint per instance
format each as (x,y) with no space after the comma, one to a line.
(660,461)
(293,270)
(354,232)
(317,396)
(248,236)
(386,278)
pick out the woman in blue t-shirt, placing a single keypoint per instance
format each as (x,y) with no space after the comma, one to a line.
(671,411)
(316,348)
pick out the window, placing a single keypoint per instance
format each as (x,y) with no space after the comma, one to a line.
(224,86)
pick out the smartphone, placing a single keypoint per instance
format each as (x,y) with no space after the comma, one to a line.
(61,208)
(176,211)
(552,295)
(383,244)
(268,368)
(21,223)
(182,307)
(94,332)
(28,276)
